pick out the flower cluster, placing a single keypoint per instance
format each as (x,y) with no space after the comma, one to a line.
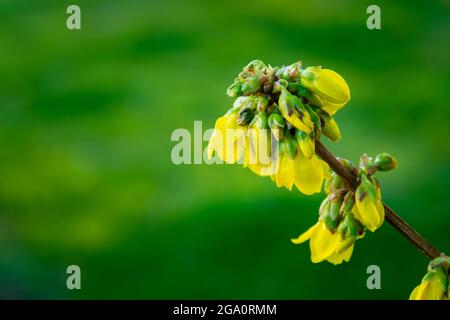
(278,117)
(435,284)
(346,214)
(278,114)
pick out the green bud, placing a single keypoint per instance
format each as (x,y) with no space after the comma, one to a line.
(251,85)
(324,207)
(348,203)
(333,183)
(331,217)
(276,123)
(279,85)
(290,73)
(255,65)
(385,162)
(366,189)
(330,127)
(365,162)
(260,121)
(290,145)
(349,227)
(235,90)
(240,102)
(245,116)
(263,103)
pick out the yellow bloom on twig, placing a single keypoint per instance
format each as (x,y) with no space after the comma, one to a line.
(329,89)
(432,287)
(369,208)
(228,138)
(325,245)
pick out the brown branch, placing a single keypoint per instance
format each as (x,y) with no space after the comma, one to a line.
(393,218)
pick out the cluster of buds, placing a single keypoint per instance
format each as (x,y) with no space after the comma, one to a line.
(346,214)
(278,114)
(435,284)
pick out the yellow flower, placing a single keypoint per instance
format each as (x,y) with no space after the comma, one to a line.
(432,287)
(306,174)
(258,157)
(369,208)
(325,245)
(228,138)
(329,89)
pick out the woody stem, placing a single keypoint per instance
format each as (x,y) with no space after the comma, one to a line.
(391,216)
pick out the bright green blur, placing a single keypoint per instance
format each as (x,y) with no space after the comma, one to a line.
(86,118)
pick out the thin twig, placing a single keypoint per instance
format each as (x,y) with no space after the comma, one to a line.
(393,218)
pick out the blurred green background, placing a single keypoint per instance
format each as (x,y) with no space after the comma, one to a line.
(86,176)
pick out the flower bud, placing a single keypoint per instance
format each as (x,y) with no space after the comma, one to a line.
(260,121)
(290,73)
(250,86)
(276,124)
(348,226)
(347,204)
(331,216)
(245,116)
(384,162)
(334,182)
(330,127)
(263,103)
(369,208)
(326,84)
(306,143)
(255,65)
(433,286)
(294,111)
(279,85)
(235,90)
(290,145)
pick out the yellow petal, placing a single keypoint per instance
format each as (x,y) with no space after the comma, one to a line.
(257,153)
(413,295)
(309,174)
(332,108)
(368,214)
(305,235)
(329,85)
(337,258)
(285,176)
(305,124)
(211,147)
(229,138)
(323,243)
(307,147)
(430,290)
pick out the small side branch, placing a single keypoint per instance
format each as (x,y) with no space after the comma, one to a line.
(391,216)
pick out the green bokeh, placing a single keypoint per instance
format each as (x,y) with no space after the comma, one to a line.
(86,118)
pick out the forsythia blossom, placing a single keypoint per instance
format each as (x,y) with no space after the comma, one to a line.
(345,214)
(435,284)
(278,114)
